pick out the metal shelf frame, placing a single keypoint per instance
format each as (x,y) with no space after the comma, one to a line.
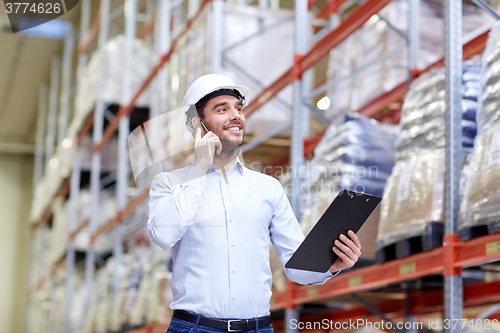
(447,260)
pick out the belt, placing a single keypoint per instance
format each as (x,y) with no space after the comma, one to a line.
(226,325)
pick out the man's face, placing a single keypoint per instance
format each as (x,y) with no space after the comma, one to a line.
(222,115)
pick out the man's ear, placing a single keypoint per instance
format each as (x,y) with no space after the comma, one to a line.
(194,121)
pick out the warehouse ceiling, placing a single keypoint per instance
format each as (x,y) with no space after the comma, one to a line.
(24,66)
(25,63)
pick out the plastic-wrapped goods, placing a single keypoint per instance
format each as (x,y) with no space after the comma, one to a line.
(59,168)
(60,224)
(77,308)
(56,171)
(135,309)
(40,310)
(57,302)
(111,87)
(413,197)
(358,155)
(423,122)
(143,295)
(374,39)
(59,231)
(109,154)
(254,56)
(98,320)
(414,193)
(124,270)
(481,205)
(490,83)
(107,212)
(481,202)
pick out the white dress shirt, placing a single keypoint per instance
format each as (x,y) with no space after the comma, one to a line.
(218,227)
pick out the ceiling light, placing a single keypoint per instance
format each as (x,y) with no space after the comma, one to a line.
(54,162)
(66,143)
(324,103)
(55,29)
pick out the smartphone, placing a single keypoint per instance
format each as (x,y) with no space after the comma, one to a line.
(203,128)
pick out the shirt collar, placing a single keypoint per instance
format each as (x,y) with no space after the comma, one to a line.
(237,162)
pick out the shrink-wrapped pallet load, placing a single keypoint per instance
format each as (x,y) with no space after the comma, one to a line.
(359,156)
(59,168)
(76,312)
(57,302)
(413,197)
(158,294)
(481,202)
(107,211)
(59,231)
(102,298)
(374,39)
(414,193)
(112,78)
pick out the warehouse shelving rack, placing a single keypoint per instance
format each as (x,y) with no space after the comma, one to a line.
(446,260)
(454,255)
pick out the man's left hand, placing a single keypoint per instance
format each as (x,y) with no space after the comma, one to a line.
(348,252)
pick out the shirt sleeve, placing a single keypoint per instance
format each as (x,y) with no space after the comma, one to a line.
(286,236)
(172,205)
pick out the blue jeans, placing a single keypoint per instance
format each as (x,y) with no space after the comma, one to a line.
(182,326)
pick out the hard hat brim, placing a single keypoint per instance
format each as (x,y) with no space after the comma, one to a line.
(242,90)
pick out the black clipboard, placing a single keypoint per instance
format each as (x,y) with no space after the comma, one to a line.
(348,211)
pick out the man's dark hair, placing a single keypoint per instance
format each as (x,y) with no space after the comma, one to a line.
(200,105)
(200,109)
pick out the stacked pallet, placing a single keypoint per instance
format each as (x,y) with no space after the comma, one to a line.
(413,205)
(356,156)
(481,203)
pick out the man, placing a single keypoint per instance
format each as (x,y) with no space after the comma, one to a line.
(217,216)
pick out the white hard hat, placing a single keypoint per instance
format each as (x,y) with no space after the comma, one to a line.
(203,86)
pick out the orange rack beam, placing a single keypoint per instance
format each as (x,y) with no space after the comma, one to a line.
(480,250)
(148,29)
(420,304)
(372,108)
(39,284)
(355,20)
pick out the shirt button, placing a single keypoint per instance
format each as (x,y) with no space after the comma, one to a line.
(232,244)
(230,220)
(233,271)
(234,297)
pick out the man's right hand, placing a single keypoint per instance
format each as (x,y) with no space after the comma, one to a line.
(204,148)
